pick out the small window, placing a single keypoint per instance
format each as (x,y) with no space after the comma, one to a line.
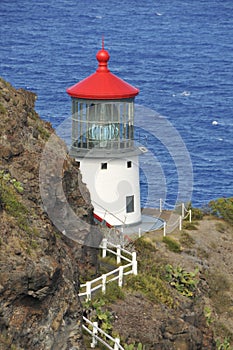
(104,165)
(129,204)
(129,164)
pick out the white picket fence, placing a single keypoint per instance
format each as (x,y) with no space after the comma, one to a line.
(114,275)
(97,334)
(89,287)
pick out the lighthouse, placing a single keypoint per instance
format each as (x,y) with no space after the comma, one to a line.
(103,143)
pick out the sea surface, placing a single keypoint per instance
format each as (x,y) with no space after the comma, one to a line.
(178,53)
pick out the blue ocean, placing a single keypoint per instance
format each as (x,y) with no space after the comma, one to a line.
(178,53)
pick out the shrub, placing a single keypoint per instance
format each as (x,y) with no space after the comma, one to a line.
(184,282)
(223,208)
(189,225)
(154,288)
(95,312)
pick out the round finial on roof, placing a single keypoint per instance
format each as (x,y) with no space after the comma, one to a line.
(102,57)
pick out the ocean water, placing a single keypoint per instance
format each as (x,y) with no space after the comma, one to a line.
(178,53)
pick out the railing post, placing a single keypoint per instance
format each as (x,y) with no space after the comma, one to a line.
(190,215)
(160,205)
(103,284)
(139,232)
(118,254)
(180,223)
(164,228)
(134,263)
(88,290)
(116,344)
(120,279)
(104,247)
(94,332)
(182,210)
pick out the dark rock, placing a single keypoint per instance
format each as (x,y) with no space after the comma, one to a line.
(39,269)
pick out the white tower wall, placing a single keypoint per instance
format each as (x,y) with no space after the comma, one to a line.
(114,188)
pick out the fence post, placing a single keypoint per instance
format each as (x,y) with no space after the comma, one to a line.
(120,279)
(118,254)
(190,215)
(180,223)
(139,232)
(104,247)
(134,263)
(164,228)
(103,284)
(182,210)
(160,205)
(88,290)
(94,332)
(116,344)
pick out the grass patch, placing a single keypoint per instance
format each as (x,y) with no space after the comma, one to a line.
(43,132)
(172,244)
(189,225)
(150,279)
(112,294)
(153,287)
(10,201)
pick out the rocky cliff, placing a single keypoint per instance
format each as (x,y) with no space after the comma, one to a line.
(39,266)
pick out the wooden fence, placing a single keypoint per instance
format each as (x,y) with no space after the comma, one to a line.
(115,275)
(98,334)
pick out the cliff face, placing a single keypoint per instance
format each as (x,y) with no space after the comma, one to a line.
(39,267)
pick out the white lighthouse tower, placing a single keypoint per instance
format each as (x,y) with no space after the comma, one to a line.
(103,143)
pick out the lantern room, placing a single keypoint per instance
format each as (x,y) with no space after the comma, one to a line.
(103,143)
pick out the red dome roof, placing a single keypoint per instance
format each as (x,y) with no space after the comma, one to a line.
(102,85)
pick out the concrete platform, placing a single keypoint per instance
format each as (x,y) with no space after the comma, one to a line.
(148,223)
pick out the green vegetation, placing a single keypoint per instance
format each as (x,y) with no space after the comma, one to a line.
(197,213)
(150,278)
(189,225)
(7,178)
(208,315)
(11,202)
(153,287)
(223,346)
(223,208)
(43,132)
(172,244)
(96,313)
(134,346)
(184,282)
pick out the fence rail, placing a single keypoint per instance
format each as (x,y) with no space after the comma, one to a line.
(92,328)
(103,337)
(185,213)
(114,275)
